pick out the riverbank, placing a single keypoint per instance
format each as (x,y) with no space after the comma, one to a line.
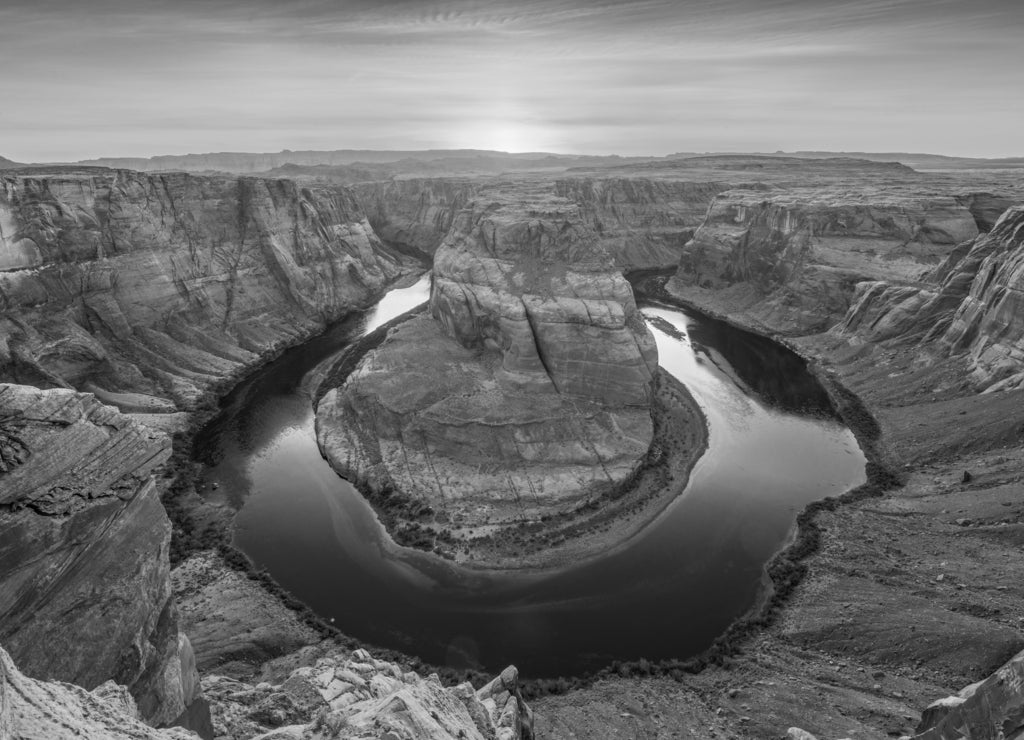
(901,599)
(633,518)
(602,525)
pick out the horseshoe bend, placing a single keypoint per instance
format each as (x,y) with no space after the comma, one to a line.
(526,393)
(636,370)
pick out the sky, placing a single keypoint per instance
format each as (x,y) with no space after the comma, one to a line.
(90,78)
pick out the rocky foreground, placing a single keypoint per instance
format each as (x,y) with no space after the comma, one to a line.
(335,697)
(526,393)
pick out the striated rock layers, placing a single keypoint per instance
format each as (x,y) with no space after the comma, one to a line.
(415,213)
(85,591)
(529,390)
(149,290)
(972,303)
(643,223)
(793,257)
(992,709)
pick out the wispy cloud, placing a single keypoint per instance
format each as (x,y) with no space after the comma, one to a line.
(160,76)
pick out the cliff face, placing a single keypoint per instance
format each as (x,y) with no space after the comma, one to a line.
(150,290)
(797,256)
(530,280)
(972,304)
(643,223)
(415,213)
(85,593)
(38,710)
(530,390)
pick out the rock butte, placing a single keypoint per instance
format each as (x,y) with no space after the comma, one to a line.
(527,393)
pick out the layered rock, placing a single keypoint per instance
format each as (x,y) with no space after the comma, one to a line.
(149,290)
(643,223)
(42,710)
(335,697)
(416,213)
(992,709)
(972,304)
(85,592)
(529,391)
(799,254)
(357,696)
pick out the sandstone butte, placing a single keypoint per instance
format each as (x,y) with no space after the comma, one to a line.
(112,284)
(527,391)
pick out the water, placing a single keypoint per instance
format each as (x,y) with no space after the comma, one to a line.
(774,446)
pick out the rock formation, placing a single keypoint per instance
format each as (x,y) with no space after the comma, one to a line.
(415,213)
(44,710)
(973,303)
(334,697)
(798,254)
(528,392)
(85,593)
(357,696)
(643,223)
(992,709)
(151,290)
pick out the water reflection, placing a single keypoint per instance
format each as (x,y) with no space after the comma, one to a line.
(667,593)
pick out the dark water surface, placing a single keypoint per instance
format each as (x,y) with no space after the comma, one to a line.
(667,593)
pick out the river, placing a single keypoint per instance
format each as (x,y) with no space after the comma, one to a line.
(774,446)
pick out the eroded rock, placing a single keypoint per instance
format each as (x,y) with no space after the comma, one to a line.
(356,696)
(151,290)
(44,710)
(84,577)
(528,392)
(802,252)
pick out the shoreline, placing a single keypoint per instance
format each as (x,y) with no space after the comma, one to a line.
(782,573)
(602,525)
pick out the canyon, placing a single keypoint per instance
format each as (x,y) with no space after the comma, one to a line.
(132,301)
(528,391)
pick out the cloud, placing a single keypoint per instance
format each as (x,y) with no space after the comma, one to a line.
(140,77)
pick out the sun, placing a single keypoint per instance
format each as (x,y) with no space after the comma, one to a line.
(512,138)
(503,136)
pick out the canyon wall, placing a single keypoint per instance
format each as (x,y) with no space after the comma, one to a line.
(793,258)
(972,304)
(643,223)
(529,389)
(151,290)
(85,592)
(415,213)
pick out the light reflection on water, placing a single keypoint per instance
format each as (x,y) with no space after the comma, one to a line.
(666,593)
